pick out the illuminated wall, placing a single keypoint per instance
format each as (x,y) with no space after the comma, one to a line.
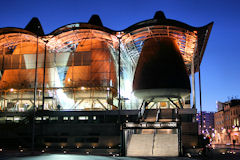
(79,78)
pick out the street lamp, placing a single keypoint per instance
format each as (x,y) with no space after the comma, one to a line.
(119,95)
(44,70)
(35,95)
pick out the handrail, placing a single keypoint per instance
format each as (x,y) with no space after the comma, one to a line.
(154,134)
(141,110)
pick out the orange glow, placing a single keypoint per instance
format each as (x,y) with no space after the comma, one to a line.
(99,68)
(235,129)
(186,40)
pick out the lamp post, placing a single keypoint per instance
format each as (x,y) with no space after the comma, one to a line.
(200,93)
(122,145)
(35,95)
(44,71)
(119,76)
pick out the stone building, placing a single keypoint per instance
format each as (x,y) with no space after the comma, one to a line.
(227,122)
(207,122)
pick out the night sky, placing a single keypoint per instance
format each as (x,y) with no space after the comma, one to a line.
(221,61)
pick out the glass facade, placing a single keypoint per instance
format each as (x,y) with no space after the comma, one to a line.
(79,78)
(80,66)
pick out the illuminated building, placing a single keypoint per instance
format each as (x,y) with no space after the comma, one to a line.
(208,123)
(227,127)
(89,81)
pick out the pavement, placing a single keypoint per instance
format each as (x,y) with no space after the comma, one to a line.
(85,157)
(218,154)
(211,154)
(226,146)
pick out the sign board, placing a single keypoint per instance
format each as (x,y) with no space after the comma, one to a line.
(151,125)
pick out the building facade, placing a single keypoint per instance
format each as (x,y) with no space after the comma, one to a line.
(90,89)
(207,123)
(227,122)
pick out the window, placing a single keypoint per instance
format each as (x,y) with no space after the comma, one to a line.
(53,118)
(2,119)
(16,119)
(38,118)
(82,58)
(235,122)
(94,117)
(45,118)
(72,118)
(83,118)
(9,118)
(65,118)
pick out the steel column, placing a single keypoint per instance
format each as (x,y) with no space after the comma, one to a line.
(193,84)
(35,94)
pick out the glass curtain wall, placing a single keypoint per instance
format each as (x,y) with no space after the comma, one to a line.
(78,75)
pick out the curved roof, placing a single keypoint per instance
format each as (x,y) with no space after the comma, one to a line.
(34,27)
(160,19)
(192,39)
(7,30)
(93,23)
(177,29)
(80,25)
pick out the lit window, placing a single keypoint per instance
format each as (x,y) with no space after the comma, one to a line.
(72,118)
(9,118)
(38,118)
(53,118)
(2,119)
(45,118)
(83,118)
(65,118)
(94,117)
(17,119)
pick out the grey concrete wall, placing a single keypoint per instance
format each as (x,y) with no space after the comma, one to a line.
(166,145)
(140,145)
(150,145)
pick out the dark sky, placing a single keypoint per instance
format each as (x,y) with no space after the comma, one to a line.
(221,62)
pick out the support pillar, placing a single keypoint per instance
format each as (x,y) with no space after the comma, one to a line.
(193,84)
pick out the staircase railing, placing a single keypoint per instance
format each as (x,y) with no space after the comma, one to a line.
(141,110)
(155,131)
